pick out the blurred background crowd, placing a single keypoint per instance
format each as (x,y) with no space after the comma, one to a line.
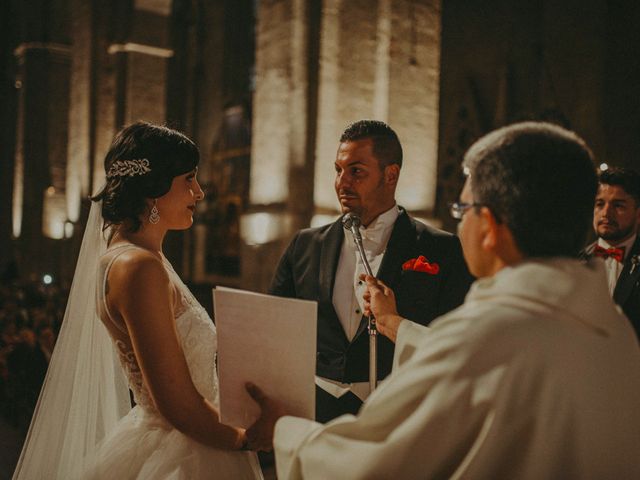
(30,319)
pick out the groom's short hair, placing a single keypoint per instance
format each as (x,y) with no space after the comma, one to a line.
(386,145)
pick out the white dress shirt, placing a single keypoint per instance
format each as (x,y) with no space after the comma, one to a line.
(348,289)
(612,266)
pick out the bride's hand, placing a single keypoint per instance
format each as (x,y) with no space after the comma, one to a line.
(260,434)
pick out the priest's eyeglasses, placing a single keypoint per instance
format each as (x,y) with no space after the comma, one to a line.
(458,209)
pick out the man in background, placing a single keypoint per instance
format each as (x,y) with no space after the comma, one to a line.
(616,215)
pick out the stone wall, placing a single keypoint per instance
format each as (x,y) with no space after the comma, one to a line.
(569,62)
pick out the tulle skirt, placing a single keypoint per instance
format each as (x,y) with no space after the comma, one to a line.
(144,446)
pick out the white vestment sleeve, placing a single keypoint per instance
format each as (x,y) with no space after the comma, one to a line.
(289,435)
(408,336)
(412,426)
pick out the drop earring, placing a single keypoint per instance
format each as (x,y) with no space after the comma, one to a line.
(154,217)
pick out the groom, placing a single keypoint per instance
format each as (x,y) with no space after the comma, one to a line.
(424,265)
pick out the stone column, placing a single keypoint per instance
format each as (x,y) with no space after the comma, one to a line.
(145,53)
(283,134)
(145,76)
(39,212)
(109,27)
(8,99)
(130,53)
(78,186)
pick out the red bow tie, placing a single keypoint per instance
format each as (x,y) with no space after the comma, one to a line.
(616,253)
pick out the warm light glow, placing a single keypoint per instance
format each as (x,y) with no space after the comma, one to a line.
(335,107)
(140,48)
(276,137)
(74,190)
(381,82)
(270,154)
(323,219)
(261,228)
(268,182)
(18,192)
(68,229)
(603,167)
(432,222)
(160,7)
(54,214)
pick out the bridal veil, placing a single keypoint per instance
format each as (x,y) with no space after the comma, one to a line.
(85,392)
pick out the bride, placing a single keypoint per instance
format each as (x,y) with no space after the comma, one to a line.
(163,339)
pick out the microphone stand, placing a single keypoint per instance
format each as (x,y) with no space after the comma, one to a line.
(351,222)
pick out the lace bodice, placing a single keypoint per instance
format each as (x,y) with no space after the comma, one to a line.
(196,333)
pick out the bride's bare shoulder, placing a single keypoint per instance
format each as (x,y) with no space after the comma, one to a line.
(137,267)
(140,290)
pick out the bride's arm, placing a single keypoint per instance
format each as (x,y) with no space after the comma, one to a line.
(140,291)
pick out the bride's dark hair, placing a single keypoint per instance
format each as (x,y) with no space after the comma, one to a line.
(169,153)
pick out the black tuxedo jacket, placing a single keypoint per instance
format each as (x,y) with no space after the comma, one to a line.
(627,291)
(308,267)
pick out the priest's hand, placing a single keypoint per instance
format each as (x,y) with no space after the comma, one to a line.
(260,434)
(380,301)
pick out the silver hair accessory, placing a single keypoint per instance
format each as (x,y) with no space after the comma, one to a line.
(154,217)
(129,168)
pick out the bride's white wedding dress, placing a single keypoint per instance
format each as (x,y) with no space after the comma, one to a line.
(144,445)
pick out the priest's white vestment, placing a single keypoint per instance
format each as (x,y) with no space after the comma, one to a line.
(535,376)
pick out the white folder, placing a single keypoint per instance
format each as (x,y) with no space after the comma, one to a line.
(269,341)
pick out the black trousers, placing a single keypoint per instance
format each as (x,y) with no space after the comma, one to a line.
(329,407)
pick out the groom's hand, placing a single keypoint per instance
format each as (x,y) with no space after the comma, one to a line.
(260,434)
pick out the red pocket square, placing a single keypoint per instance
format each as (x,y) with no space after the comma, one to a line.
(421,264)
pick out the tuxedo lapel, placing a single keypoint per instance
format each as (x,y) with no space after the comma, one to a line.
(329,256)
(587,253)
(401,241)
(627,278)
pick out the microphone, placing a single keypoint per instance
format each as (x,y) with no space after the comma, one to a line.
(352,223)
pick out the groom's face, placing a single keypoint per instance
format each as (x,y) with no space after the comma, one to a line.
(362,186)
